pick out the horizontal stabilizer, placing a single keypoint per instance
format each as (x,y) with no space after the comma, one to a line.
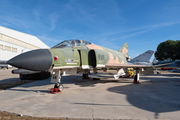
(145,57)
(154,61)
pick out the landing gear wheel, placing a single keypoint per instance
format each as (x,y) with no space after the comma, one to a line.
(85,76)
(21,77)
(135,78)
(56,85)
(60,86)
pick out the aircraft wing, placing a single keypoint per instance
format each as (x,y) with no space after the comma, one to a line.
(162,65)
(127,65)
(173,64)
(3,61)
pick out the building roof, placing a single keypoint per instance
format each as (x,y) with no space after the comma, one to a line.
(30,39)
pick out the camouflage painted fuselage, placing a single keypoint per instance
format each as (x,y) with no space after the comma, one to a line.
(86,56)
(71,54)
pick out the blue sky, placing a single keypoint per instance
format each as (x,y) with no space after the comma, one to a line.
(143,24)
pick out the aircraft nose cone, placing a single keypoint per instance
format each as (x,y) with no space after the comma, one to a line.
(37,60)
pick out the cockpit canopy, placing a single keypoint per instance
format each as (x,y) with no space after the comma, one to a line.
(72,43)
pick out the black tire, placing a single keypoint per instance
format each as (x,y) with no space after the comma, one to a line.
(135,78)
(56,85)
(22,77)
(60,86)
(85,76)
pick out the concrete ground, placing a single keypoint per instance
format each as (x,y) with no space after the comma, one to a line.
(9,80)
(6,76)
(156,97)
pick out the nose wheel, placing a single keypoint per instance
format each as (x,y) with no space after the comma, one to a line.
(58,85)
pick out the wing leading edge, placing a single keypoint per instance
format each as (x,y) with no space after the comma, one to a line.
(127,65)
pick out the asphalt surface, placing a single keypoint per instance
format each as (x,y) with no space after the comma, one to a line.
(156,97)
(6,76)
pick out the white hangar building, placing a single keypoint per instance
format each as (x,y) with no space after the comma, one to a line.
(13,43)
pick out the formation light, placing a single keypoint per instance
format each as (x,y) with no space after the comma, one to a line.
(55,58)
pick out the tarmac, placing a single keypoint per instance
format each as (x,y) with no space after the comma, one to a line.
(6,76)
(157,96)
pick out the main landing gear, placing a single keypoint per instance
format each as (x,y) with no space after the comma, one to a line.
(85,76)
(121,72)
(136,77)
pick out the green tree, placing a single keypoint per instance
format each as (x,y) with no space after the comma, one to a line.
(168,50)
(178,49)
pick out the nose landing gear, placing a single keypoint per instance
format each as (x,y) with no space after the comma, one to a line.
(56,78)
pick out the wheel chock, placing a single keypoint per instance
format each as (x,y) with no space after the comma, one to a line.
(55,90)
(135,82)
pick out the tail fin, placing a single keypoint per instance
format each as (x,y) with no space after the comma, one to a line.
(145,57)
(124,49)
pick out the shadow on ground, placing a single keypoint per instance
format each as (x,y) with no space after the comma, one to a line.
(157,98)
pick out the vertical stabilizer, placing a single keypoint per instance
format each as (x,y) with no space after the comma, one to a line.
(124,49)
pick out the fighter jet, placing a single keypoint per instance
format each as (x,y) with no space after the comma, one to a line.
(71,57)
(167,64)
(4,65)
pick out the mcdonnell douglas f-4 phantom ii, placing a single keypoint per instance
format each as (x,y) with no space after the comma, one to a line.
(73,56)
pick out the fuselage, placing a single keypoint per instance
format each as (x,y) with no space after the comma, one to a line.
(69,54)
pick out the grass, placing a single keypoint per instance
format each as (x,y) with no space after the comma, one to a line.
(11,116)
